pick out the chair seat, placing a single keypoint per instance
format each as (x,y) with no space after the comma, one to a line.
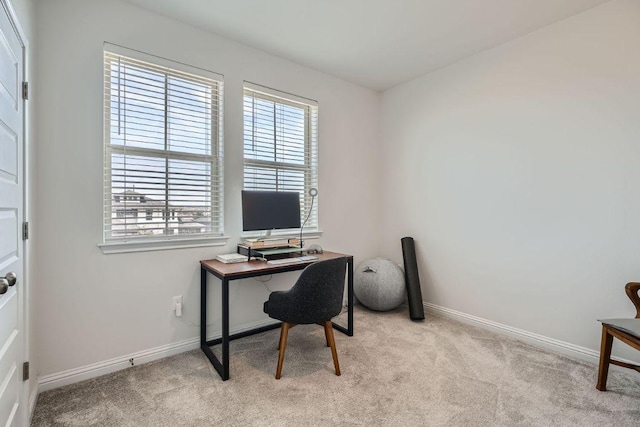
(630,326)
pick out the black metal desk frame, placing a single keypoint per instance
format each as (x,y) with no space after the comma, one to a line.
(223,366)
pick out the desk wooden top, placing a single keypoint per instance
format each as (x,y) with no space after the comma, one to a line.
(238,270)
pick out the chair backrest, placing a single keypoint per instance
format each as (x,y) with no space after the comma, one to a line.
(319,291)
(632,290)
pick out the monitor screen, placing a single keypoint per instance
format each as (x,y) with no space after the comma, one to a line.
(269,210)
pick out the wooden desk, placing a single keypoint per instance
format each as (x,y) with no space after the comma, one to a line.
(243,270)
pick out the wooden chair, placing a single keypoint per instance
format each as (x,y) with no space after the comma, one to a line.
(626,330)
(315,298)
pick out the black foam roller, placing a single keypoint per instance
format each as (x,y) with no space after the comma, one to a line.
(411,279)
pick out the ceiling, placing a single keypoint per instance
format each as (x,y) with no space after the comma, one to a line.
(374,43)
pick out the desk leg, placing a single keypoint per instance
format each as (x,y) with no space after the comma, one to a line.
(221,368)
(203,307)
(350,300)
(225,329)
(350,297)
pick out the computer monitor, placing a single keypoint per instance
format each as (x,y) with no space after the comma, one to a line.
(270,210)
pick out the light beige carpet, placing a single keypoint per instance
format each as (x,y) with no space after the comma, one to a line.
(395,372)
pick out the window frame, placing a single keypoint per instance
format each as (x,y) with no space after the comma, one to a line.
(311,151)
(127,243)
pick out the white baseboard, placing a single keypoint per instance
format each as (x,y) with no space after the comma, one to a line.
(94,370)
(568,349)
(71,376)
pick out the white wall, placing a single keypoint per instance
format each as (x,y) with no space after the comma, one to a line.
(93,307)
(517,171)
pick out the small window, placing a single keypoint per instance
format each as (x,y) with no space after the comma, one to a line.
(281,145)
(163,148)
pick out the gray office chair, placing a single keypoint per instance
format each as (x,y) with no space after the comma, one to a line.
(315,298)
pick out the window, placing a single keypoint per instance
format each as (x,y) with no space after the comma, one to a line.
(281,145)
(163,149)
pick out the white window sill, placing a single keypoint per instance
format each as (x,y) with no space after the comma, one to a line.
(159,245)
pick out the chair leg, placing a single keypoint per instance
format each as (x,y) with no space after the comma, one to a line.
(291,325)
(328,330)
(326,335)
(605,358)
(284,331)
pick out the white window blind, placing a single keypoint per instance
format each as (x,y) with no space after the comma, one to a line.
(163,144)
(281,145)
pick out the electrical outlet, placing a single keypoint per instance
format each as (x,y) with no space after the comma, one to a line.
(177,305)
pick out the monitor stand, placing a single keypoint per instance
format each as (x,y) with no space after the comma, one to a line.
(277,253)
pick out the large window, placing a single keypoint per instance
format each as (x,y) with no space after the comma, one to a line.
(163,149)
(281,145)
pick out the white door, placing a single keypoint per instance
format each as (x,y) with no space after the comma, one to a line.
(11,211)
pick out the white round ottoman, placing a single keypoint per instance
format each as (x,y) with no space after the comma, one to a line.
(379,284)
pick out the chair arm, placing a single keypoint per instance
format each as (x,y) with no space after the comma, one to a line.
(632,292)
(279,304)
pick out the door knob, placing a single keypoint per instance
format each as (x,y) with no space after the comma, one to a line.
(4,285)
(10,278)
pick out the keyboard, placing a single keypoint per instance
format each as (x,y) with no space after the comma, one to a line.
(296,260)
